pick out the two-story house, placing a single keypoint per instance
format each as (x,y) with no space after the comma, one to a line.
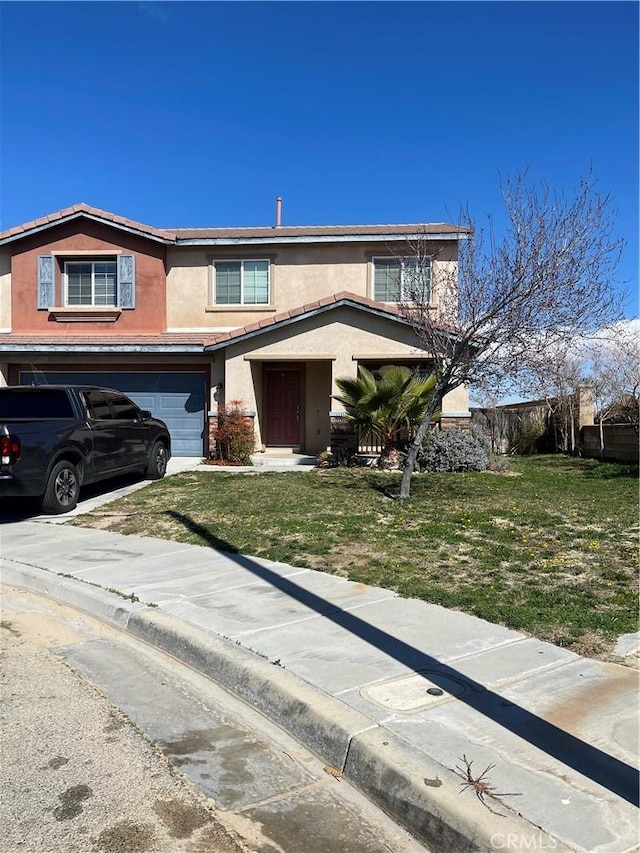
(184,320)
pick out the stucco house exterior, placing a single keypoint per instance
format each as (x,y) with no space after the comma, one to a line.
(184,320)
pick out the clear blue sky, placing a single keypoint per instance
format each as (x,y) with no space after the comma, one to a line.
(200,114)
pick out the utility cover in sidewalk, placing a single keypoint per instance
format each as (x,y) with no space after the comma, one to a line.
(413,693)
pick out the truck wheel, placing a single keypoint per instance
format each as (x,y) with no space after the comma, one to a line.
(63,488)
(158,458)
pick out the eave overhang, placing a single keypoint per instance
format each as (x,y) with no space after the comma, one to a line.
(174,349)
(322,238)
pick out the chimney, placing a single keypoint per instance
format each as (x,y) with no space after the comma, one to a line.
(278,211)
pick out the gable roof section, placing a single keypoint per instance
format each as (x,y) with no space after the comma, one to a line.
(84,210)
(239,236)
(312,309)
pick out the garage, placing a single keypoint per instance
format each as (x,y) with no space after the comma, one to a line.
(178,398)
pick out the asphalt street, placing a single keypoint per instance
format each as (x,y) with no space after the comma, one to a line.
(114,748)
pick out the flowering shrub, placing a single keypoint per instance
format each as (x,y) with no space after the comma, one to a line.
(452,450)
(233,436)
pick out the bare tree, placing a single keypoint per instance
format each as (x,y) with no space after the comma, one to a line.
(510,302)
(614,359)
(557,380)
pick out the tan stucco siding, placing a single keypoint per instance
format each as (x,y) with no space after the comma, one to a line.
(304,275)
(299,275)
(444,290)
(187,292)
(317,431)
(456,402)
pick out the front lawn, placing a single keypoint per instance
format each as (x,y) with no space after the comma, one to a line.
(550,548)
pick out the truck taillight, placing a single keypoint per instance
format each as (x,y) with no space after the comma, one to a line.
(9,449)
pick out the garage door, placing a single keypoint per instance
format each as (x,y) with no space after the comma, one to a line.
(177,398)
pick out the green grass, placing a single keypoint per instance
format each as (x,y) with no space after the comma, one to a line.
(552,551)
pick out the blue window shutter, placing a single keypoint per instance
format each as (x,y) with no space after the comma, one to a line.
(127,281)
(46,284)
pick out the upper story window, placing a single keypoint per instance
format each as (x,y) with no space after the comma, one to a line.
(81,285)
(241,282)
(402,279)
(91,283)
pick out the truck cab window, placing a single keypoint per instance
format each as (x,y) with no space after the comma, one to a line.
(97,405)
(123,409)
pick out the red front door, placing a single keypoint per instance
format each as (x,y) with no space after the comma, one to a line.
(283,407)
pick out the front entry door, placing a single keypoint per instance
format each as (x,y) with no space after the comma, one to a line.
(283,407)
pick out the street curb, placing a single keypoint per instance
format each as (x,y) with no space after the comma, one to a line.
(322,723)
(99,602)
(415,790)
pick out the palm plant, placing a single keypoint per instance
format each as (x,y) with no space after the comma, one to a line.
(387,406)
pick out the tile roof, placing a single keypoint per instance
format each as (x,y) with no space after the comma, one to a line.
(79,210)
(343,298)
(176,236)
(183,234)
(169,340)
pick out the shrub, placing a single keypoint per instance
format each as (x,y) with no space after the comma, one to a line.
(453,450)
(529,438)
(233,436)
(387,404)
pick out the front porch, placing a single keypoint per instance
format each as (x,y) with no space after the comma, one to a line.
(283,373)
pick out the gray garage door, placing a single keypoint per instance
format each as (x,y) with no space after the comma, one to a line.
(177,398)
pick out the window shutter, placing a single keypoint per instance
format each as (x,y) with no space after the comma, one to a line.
(127,281)
(46,285)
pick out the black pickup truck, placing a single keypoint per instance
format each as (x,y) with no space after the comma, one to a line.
(56,438)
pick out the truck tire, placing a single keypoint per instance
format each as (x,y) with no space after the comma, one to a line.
(63,488)
(158,458)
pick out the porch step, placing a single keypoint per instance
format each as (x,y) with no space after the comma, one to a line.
(282,460)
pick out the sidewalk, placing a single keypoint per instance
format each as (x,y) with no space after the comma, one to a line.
(405,698)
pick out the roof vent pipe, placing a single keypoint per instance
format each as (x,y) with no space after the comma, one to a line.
(278,211)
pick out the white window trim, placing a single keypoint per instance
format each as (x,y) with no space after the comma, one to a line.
(401,261)
(92,259)
(242,304)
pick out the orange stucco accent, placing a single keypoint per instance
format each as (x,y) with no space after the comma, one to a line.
(149,315)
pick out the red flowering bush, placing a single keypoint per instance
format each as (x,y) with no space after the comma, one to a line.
(234,441)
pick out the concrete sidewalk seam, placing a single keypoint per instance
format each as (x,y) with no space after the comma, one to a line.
(375,761)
